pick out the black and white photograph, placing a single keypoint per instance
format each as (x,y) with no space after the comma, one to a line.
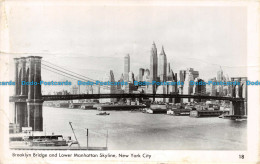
(126,81)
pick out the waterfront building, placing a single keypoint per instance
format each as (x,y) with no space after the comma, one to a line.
(171,89)
(162,68)
(146,78)
(75,90)
(220,78)
(199,89)
(63,92)
(130,88)
(187,87)
(89,89)
(212,88)
(96,89)
(182,79)
(161,89)
(126,67)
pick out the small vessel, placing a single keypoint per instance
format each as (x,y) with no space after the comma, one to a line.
(103,113)
(240,119)
(157,109)
(50,140)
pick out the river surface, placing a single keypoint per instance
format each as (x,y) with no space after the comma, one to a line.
(141,131)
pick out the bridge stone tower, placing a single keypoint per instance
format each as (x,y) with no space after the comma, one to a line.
(28,113)
(239,91)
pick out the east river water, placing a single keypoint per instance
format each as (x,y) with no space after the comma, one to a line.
(140,131)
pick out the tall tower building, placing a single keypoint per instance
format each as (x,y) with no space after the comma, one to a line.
(168,71)
(126,67)
(153,63)
(131,77)
(162,65)
(108,89)
(220,76)
(141,74)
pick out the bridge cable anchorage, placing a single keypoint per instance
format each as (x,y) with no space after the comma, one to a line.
(71,75)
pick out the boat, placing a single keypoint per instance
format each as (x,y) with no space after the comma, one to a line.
(240,119)
(157,109)
(50,140)
(103,113)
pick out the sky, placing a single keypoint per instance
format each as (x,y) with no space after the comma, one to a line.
(92,40)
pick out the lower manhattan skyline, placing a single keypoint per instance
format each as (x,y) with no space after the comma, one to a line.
(190,40)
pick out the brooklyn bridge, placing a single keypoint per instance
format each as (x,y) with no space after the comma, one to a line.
(28,99)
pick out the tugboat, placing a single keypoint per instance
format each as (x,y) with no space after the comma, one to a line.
(103,113)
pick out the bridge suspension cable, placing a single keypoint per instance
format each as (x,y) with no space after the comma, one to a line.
(91,80)
(58,73)
(69,70)
(69,75)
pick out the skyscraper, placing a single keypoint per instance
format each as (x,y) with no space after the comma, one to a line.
(141,74)
(220,75)
(131,77)
(182,75)
(153,63)
(168,71)
(126,67)
(162,65)
(108,89)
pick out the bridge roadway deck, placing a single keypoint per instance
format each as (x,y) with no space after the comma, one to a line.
(130,95)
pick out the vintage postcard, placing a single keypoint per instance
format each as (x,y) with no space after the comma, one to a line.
(129,81)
